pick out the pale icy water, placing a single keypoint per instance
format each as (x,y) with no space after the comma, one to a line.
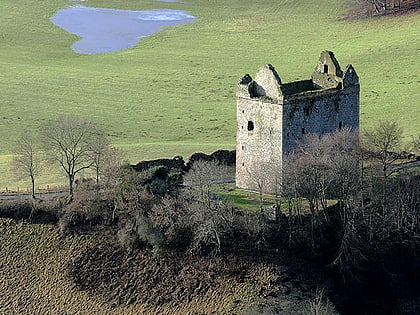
(108,30)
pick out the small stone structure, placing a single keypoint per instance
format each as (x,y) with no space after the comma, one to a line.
(273,116)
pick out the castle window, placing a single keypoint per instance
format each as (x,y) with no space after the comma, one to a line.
(243,164)
(303,131)
(243,147)
(306,111)
(325,68)
(336,105)
(340,125)
(250,125)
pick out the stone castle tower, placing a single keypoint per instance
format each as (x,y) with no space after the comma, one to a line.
(272,116)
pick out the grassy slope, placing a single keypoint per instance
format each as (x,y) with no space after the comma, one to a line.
(174,93)
(33,263)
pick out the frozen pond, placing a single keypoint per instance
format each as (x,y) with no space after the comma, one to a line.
(108,30)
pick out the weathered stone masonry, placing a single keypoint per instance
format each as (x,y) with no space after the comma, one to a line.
(272,117)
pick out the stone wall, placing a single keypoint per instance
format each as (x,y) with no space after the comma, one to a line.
(177,163)
(272,117)
(323,113)
(259,144)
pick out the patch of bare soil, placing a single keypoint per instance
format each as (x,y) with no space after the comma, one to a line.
(362,9)
(111,274)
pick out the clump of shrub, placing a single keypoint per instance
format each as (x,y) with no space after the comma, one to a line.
(16,209)
(161,181)
(319,304)
(185,223)
(33,210)
(170,218)
(88,208)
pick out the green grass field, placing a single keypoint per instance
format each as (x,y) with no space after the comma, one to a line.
(174,93)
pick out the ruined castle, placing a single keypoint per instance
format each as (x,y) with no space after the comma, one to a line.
(273,116)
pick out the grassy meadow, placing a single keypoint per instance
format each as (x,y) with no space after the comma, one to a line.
(174,93)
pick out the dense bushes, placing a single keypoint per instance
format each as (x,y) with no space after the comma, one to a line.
(223,157)
(191,219)
(33,210)
(88,208)
(177,163)
(370,236)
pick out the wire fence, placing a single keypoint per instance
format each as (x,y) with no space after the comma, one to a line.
(23,190)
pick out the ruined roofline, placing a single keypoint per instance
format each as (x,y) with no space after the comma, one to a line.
(295,96)
(326,76)
(314,93)
(290,89)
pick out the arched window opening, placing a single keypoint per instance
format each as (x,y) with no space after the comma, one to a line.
(325,68)
(250,125)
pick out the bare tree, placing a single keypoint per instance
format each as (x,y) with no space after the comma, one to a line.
(112,170)
(204,174)
(322,167)
(416,145)
(261,178)
(206,212)
(100,144)
(382,145)
(69,141)
(319,304)
(345,166)
(384,141)
(312,164)
(383,5)
(27,161)
(291,190)
(112,165)
(315,154)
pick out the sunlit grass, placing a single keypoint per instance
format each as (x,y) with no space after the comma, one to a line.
(174,93)
(246,199)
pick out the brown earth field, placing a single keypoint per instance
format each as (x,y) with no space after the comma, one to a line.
(44,273)
(86,271)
